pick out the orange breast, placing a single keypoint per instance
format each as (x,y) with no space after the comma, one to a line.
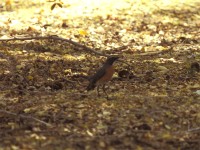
(108,75)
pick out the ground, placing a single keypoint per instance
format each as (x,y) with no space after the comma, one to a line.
(154,94)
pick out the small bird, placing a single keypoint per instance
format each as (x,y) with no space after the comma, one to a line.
(103,75)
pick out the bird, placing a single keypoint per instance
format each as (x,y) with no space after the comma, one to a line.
(103,75)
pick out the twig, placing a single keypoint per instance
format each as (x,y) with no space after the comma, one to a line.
(194,129)
(150,53)
(54,37)
(27,117)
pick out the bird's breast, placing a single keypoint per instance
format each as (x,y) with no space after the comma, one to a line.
(108,75)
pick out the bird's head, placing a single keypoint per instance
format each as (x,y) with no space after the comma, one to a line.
(110,60)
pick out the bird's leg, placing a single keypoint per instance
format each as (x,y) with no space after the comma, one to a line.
(104,90)
(98,90)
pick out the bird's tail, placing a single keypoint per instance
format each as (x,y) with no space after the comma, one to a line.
(91,86)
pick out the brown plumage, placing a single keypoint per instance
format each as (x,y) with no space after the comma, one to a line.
(103,75)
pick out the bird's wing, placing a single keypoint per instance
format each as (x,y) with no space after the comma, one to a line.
(98,75)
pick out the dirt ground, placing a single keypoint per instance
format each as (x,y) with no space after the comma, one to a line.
(154,94)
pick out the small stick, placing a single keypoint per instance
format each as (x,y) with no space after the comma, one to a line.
(194,129)
(54,37)
(27,117)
